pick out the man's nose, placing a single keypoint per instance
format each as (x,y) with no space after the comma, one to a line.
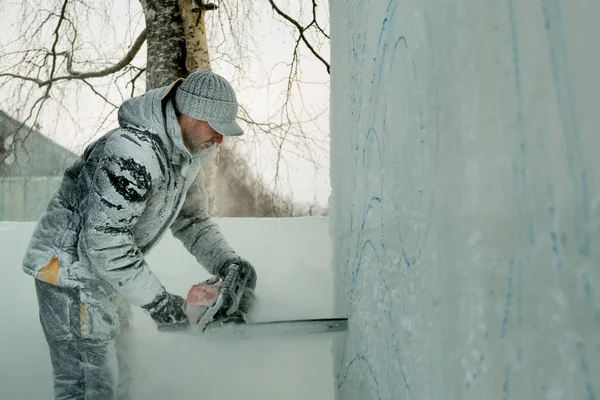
(218,138)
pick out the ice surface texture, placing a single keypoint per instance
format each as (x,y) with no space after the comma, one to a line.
(465,179)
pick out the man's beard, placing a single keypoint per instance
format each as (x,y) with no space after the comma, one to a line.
(195,145)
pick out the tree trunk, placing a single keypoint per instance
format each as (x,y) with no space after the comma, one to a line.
(195,34)
(166,43)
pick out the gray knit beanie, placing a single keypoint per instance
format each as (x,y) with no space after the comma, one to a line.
(207,96)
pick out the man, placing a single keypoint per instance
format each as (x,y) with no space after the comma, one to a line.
(113,205)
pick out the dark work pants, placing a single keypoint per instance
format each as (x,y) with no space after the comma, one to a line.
(88,347)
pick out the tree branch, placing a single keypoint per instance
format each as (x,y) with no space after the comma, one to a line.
(56,39)
(314,21)
(93,89)
(135,48)
(301,30)
(140,72)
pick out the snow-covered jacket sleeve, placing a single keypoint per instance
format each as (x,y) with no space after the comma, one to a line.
(197,231)
(117,179)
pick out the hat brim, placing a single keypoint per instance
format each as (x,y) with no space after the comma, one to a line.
(227,128)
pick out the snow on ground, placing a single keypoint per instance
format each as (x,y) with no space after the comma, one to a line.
(292,258)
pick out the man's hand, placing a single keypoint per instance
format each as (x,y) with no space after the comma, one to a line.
(247,273)
(246,269)
(167,309)
(247,302)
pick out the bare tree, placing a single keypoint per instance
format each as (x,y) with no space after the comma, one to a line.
(60,53)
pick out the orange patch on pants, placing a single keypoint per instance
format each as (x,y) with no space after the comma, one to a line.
(50,272)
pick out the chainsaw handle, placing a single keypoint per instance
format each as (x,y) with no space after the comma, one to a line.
(230,295)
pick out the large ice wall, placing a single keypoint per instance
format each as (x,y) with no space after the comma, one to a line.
(465,198)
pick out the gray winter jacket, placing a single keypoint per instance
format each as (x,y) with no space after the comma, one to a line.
(117,201)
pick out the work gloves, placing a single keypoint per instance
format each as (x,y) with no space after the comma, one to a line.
(167,309)
(247,273)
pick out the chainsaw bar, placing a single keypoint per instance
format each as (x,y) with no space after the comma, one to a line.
(264,328)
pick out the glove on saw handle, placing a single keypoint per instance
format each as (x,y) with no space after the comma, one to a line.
(246,271)
(247,274)
(234,286)
(231,293)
